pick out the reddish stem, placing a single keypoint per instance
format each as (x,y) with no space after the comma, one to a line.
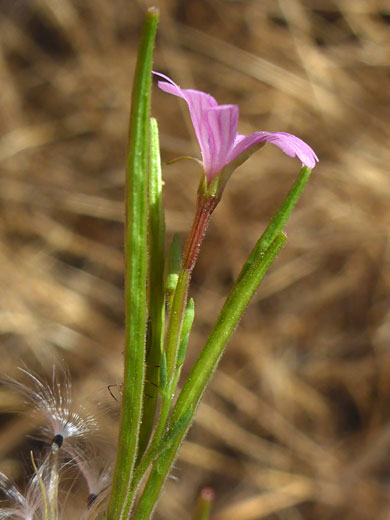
(204,209)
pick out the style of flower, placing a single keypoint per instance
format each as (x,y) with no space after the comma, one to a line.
(222,148)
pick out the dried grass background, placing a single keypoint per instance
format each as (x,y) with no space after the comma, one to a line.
(294,425)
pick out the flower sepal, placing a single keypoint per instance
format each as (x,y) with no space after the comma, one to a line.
(209,190)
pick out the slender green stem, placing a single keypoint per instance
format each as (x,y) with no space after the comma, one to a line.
(262,249)
(205,207)
(203,505)
(173,267)
(247,282)
(136,275)
(228,319)
(175,321)
(203,370)
(153,448)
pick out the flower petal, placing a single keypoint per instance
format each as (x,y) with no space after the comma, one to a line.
(222,124)
(288,143)
(198,103)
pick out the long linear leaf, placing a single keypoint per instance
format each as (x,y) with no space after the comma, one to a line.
(136,274)
(156,288)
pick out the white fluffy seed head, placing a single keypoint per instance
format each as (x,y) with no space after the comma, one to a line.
(67,428)
(96,475)
(24,507)
(65,425)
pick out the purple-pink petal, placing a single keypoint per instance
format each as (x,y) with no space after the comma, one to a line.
(221,122)
(198,103)
(288,143)
(216,130)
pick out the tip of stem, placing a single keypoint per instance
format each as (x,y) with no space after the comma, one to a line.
(207,494)
(153,10)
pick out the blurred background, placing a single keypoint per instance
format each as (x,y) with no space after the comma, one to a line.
(294,425)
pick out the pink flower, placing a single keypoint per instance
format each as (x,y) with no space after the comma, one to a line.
(216,130)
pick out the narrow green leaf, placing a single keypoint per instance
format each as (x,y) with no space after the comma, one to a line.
(176,311)
(156,288)
(188,320)
(189,315)
(181,354)
(177,282)
(136,274)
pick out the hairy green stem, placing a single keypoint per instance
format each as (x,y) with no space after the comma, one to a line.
(203,505)
(204,209)
(203,370)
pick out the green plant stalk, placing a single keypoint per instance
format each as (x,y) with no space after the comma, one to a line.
(161,441)
(207,362)
(227,321)
(204,368)
(174,338)
(260,251)
(204,209)
(155,449)
(166,389)
(203,505)
(156,289)
(172,343)
(179,302)
(136,275)
(174,263)
(158,438)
